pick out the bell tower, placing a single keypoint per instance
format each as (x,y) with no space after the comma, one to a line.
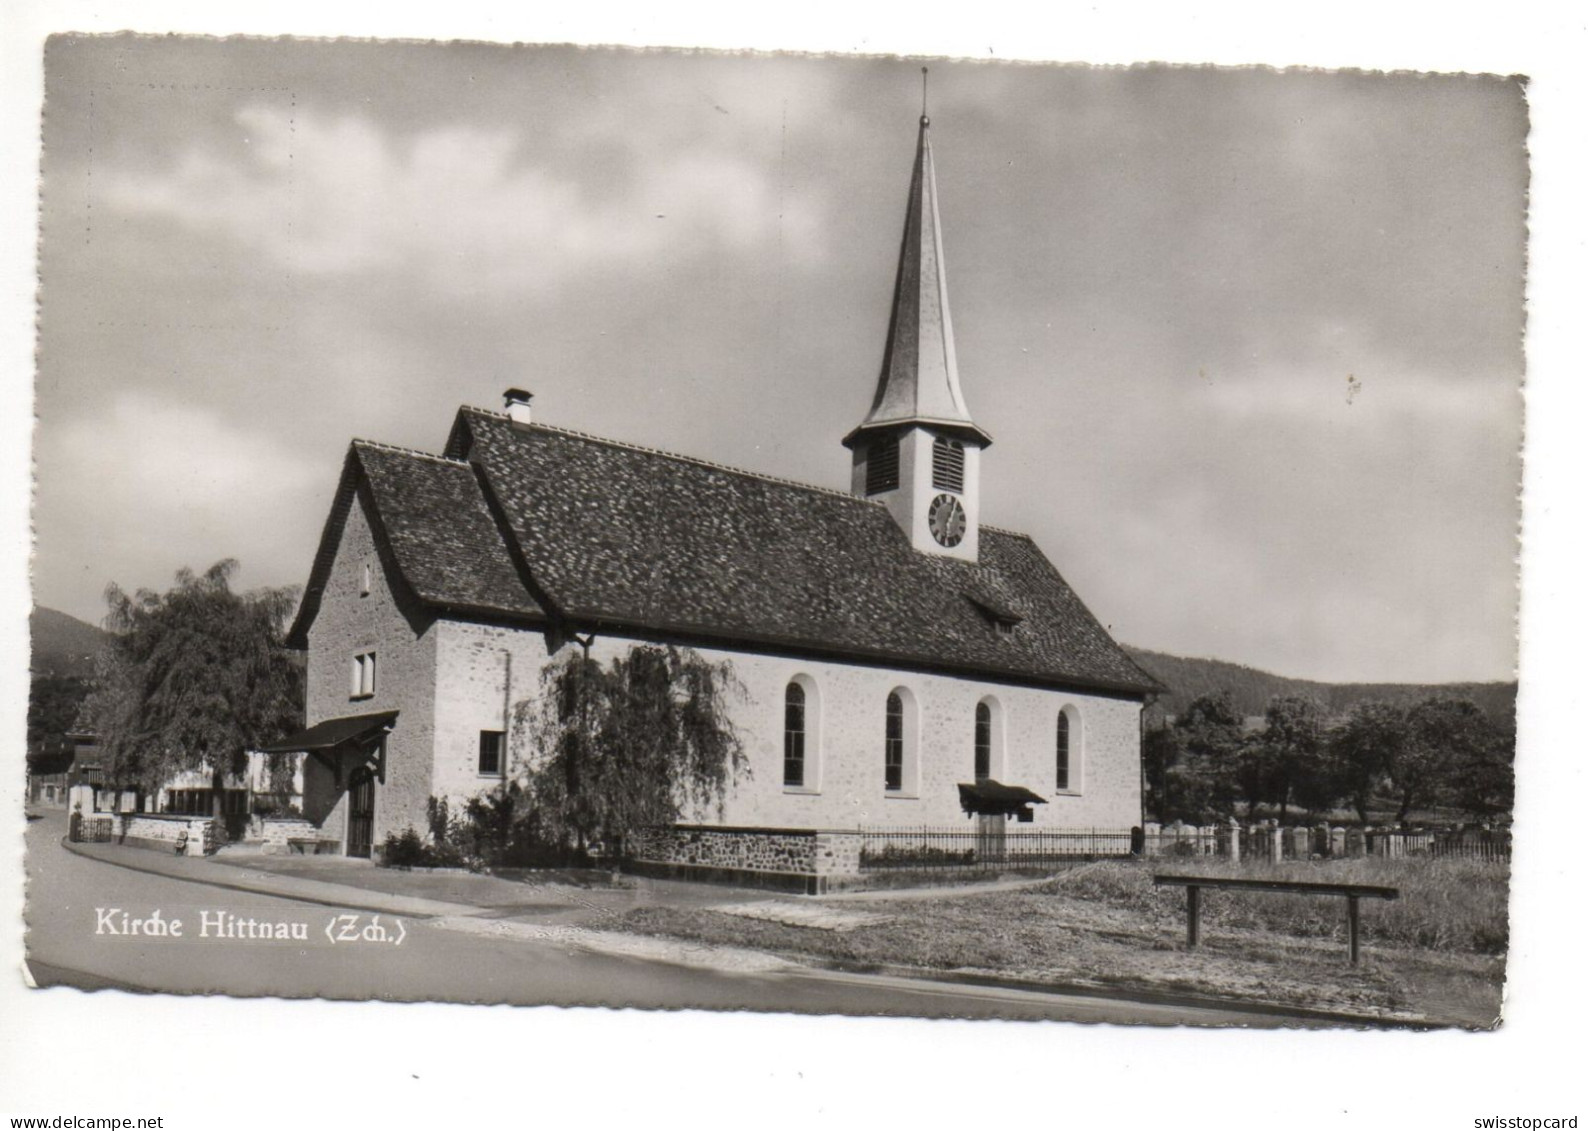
(918,451)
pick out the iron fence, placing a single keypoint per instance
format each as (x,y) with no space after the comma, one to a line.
(926,849)
(1274,843)
(91,829)
(1468,844)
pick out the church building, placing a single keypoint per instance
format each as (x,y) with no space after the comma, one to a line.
(903,663)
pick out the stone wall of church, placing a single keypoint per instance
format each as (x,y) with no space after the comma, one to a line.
(485,671)
(351,621)
(845,709)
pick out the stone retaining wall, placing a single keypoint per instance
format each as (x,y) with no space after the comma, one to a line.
(280,831)
(190,836)
(806,860)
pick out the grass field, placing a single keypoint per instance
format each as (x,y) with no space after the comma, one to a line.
(1445,904)
(1437,952)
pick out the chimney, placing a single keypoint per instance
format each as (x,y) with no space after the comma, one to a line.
(517,402)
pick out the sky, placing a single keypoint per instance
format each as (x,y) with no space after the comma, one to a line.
(1248,341)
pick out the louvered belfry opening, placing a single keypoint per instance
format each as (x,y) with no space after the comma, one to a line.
(948,465)
(882,466)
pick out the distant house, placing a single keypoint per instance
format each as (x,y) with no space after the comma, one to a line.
(903,662)
(79,780)
(49,771)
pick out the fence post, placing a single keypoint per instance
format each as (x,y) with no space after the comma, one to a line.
(1234,828)
(1336,841)
(1276,843)
(1150,833)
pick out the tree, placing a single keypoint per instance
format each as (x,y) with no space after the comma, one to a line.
(1485,786)
(1207,777)
(618,749)
(53,704)
(193,678)
(1292,745)
(1445,735)
(1363,749)
(1160,753)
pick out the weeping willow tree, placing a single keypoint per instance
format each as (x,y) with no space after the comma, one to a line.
(192,679)
(639,743)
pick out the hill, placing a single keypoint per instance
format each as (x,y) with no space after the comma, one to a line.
(63,645)
(1251,689)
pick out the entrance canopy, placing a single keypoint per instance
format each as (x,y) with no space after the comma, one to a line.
(991,798)
(355,730)
(345,746)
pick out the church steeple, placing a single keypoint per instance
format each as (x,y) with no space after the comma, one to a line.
(918,443)
(919,382)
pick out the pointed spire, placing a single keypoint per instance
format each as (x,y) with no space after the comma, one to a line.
(919,383)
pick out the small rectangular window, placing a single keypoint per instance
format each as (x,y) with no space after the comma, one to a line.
(366,575)
(363,683)
(882,466)
(491,743)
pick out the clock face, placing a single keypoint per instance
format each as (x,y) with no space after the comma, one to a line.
(947,520)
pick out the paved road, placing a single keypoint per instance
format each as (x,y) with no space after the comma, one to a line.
(72,941)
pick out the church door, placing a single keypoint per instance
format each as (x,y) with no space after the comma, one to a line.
(361,813)
(990,829)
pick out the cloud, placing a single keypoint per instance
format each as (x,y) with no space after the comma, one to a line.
(151,486)
(459,207)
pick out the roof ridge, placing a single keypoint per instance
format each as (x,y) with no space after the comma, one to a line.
(680,457)
(398,448)
(1005,530)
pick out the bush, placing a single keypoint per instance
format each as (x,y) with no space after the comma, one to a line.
(268,806)
(403,850)
(499,830)
(408,849)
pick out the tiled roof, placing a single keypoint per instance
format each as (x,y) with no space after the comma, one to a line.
(443,543)
(539,523)
(441,530)
(626,536)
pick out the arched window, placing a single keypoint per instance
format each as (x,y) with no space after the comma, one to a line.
(893,744)
(1062,756)
(983,742)
(794,735)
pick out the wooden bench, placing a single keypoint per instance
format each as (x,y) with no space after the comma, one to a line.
(1354,894)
